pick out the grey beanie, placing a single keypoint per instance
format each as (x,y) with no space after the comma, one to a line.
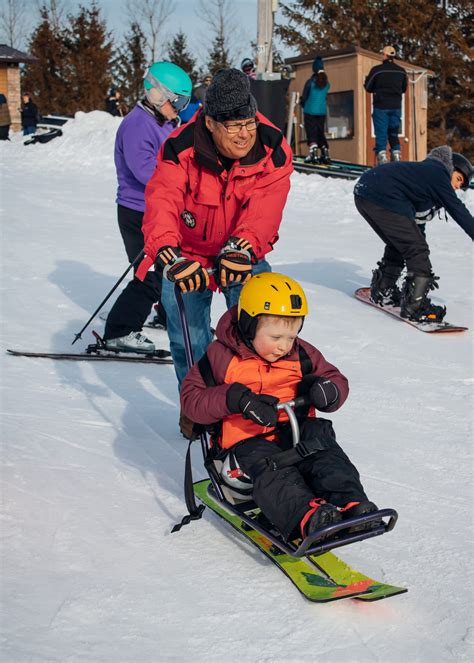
(228,96)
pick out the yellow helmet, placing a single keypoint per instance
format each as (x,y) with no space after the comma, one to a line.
(271,294)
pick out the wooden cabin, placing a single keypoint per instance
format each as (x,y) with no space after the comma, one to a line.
(10,84)
(349,127)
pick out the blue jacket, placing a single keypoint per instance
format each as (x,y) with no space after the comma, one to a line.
(407,187)
(314,99)
(137,143)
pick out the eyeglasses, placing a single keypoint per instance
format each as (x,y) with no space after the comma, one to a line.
(159,94)
(251,125)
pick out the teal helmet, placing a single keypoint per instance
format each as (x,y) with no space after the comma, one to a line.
(165,81)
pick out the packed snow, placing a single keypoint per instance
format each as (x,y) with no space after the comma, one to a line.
(93,462)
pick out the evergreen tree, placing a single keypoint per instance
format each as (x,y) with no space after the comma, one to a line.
(178,53)
(45,78)
(89,53)
(218,56)
(426,33)
(130,66)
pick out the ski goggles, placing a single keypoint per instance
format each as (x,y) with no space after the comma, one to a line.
(160,94)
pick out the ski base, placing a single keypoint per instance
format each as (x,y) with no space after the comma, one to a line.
(320,578)
(159,357)
(363,295)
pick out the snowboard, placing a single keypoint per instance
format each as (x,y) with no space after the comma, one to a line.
(319,578)
(363,295)
(162,358)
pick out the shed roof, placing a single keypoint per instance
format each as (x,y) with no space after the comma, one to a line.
(9,54)
(349,50)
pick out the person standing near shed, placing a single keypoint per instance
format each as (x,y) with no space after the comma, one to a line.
(387,82)
(314,105)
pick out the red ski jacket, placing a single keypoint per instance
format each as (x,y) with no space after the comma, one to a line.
(194,203)
(232,361)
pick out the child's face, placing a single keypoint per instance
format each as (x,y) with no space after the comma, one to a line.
(275,337)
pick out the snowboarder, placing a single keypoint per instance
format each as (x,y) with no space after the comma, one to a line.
(139,138)
(215,200)
(387,82)
(257,361)
(394,199)
(314,105)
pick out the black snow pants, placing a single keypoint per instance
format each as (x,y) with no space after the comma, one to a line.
(405,242)
(284,494)
(314,127)
(134,304)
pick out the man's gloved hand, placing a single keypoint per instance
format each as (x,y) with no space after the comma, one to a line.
(188,274)
(234,262)
(260,408)
(323,393)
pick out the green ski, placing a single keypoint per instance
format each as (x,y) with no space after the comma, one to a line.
(315,583)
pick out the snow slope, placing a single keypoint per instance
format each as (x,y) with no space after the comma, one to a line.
(92,460)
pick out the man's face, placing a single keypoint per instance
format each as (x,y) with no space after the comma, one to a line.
(275,337)
(207,81)
(233,145)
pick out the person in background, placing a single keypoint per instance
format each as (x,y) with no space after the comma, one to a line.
(387,82)
(216,201)
(167,89)
(314,105)
(5,119)
(248,67)
(29,115)
(257,361)
(114,104)
(396,200)
(200,91)
(187,113)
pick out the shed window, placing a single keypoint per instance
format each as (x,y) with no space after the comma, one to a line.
(340,116)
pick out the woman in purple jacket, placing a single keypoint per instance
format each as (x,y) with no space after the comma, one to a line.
(138,141)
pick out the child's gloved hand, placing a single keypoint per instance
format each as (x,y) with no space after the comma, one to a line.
(323,393)
(260,408)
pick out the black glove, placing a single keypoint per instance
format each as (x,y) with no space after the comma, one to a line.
(323,393)
(260,408)
(234,262)
(188,274)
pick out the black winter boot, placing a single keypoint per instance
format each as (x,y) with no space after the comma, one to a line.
(320,515)
(383,288)
(353,509)
(415,304)
(325,155)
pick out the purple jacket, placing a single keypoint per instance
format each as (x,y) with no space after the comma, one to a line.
(137,144)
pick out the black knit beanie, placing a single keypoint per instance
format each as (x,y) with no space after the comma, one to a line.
(228,97)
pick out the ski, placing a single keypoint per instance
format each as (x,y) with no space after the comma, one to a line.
(159,357)
(316,583)
(342,169)
(363,295)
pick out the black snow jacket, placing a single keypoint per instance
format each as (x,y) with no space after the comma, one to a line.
(29,115)
(387,82)
(407,187)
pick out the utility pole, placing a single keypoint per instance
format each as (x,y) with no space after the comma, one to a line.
(266,14)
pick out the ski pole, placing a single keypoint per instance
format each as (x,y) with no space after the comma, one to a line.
(132,264)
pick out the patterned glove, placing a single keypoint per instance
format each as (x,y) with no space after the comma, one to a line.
(188,274)
(234,262)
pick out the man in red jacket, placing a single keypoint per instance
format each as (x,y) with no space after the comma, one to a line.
(215,201)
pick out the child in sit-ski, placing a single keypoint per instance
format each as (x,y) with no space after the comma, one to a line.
(257,361)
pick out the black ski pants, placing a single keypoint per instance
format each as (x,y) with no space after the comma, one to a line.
(134,304)
(314,127)
(284,495)
(405,242)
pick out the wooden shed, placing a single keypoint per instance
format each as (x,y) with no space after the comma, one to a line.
(10,84)
(349,120)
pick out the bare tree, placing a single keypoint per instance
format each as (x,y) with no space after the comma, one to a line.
(223,30)
(151,16)
(13,22)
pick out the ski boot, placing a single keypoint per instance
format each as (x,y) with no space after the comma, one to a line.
(133,342)
(382,157)
(320,515)
(325,155)
(312,155)
(384,290)
(353,509)
(395,155)
(415,303)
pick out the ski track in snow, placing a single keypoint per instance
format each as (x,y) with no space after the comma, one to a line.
(92,459)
